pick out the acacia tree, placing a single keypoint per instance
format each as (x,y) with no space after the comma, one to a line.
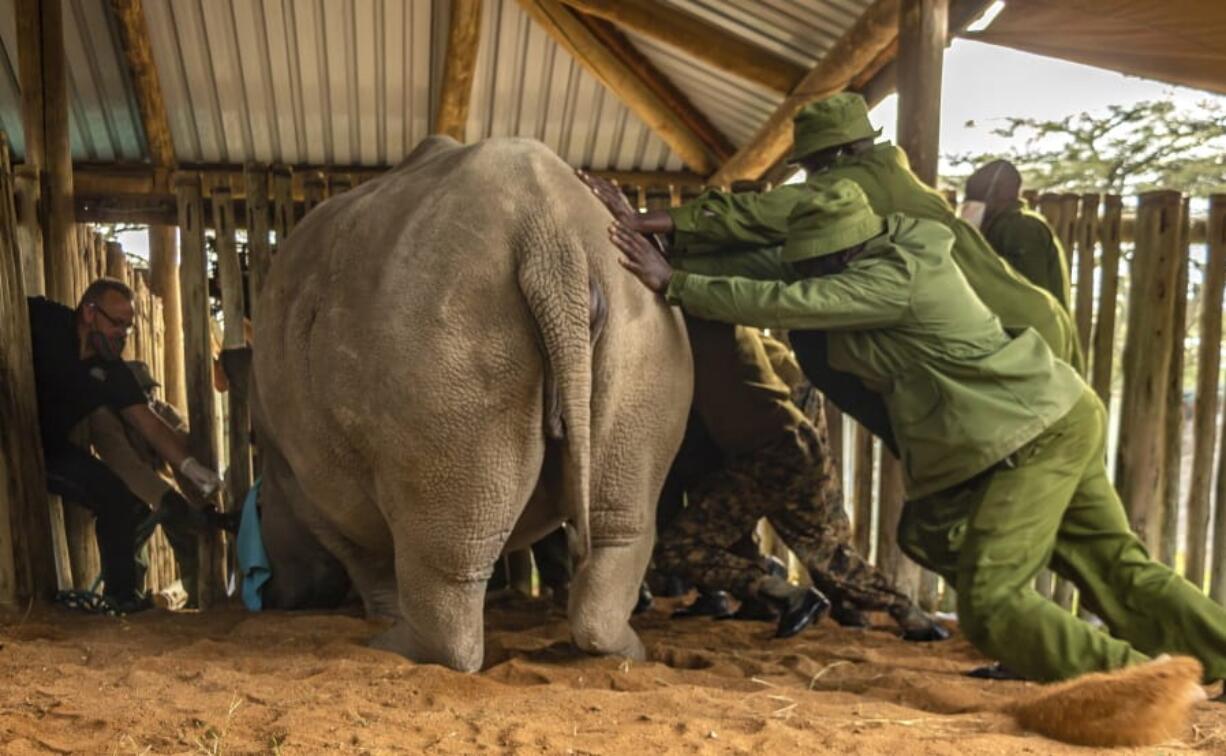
(1126,149)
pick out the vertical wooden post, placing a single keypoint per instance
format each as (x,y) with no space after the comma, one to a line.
(164,280)
(314,190)
(1141,458)
(903,573)
(1103,360)
(283,202)
(862,490)
(198,362)
(1087,240)
(1216,235)
(1169,544)
(116,262)
(459,68)
(1209,370)
(27,566)
(1068,222)
(519,565)
(259,250)
(339,183)
(235,354)
(922,32)
(30,229)
(44,87)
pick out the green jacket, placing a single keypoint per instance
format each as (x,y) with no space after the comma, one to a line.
(722,222)
(962,395)
(1024,239)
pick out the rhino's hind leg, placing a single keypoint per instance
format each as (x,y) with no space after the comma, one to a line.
(604,593)
(442,620)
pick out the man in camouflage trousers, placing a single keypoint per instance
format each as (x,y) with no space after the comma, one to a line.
(775,465)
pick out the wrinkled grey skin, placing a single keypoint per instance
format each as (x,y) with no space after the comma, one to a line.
(431,354)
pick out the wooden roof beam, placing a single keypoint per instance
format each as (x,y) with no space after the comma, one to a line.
(463,41)
(630,56)
(576,37)
(699,38)
(880,81)
(858,48)
(138,52)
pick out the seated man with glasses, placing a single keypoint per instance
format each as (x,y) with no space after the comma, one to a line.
(78,367)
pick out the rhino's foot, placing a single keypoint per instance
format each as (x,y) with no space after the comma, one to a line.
(400,639)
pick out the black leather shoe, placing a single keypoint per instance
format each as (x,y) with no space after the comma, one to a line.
(715,604)
(995,671)
(802,613)
(645,599)
(847,615)
(932,633)
(131,604)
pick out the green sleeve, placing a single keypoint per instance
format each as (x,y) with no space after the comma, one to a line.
(869,294)
(722,221)
(764,263)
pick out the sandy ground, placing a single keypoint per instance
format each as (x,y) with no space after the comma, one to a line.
(230,682)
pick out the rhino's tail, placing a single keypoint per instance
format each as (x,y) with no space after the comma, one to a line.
(568,309)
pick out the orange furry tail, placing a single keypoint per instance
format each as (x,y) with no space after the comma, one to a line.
(1137,706)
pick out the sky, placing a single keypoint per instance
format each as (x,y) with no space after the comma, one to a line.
(985,84)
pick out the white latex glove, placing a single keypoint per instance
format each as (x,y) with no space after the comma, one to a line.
(204,478)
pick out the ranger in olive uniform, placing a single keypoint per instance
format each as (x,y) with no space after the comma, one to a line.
(774,463)
(834,139)
(971,406)
(1021,236)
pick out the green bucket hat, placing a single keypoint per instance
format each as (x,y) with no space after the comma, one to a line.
(837,120)
(836,218)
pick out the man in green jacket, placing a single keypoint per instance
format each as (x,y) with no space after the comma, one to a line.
(971,405)
(1021,236)
(833,138)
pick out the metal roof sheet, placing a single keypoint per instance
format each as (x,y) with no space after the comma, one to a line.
(352,82)
(104,119)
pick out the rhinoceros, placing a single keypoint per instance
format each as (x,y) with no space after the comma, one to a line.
(449,362)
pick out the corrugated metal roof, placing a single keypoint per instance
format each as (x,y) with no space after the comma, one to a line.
(802,30)
(525,85)
(734,106)
(351,82)
(341,82)
(104,119)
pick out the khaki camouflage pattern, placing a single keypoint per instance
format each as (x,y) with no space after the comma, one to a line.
(792,483)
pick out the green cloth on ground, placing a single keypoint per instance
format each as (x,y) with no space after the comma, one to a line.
(1024,238)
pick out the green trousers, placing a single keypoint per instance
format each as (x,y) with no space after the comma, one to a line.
(1053,505)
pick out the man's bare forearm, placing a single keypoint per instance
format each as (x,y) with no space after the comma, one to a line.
(166,441)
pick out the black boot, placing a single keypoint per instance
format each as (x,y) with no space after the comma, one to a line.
(754,609)
(995,671)
(918,626)
(798,607)
(714,604)
(847,615)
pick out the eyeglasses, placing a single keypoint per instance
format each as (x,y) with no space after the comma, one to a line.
(126,327)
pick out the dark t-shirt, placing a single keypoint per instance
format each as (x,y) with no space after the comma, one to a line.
(68,387)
